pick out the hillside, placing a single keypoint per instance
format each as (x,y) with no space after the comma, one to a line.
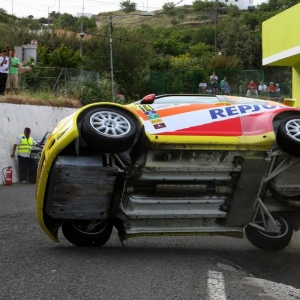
(181,16)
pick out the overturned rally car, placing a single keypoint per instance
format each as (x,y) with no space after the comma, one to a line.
(173,165)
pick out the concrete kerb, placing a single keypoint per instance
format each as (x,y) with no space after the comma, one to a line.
(14,118)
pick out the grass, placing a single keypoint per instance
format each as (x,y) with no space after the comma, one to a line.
(40,99)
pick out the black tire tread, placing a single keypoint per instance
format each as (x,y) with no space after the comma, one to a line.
(285,142)
(104,143)
(80,239)
(269,243)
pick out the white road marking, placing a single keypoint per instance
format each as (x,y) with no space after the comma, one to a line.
(216,286)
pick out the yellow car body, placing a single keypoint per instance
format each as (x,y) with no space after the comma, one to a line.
(165,126)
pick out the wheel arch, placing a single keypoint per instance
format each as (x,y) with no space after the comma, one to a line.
(120,107)
(278,118)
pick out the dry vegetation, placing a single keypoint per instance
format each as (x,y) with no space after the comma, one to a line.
(35,100)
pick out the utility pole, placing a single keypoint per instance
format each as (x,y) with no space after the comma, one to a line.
(58,14)
(82,34)
(216,21)
(143,14)
(111,58)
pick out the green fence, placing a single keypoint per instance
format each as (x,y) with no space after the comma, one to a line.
(55,79)
(186,81)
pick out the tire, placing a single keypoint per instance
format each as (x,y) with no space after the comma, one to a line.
(268,241)
(109,130)
(288,136)
(82,233)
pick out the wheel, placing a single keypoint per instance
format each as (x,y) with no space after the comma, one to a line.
(270,241)
(87,233)
(109,130)
(288,136)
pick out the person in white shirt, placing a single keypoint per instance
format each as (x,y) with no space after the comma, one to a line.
(34,42)
(202,87)
(4,67)
(262,88)
(213,77)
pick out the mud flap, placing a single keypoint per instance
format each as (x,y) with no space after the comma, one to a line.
(245,195)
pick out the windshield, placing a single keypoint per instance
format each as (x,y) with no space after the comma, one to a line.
(44,139)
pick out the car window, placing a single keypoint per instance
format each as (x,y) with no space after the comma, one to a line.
(183,99)
(44,139)
(244,100)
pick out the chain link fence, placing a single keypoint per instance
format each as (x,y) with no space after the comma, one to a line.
(186,81)
(56,80)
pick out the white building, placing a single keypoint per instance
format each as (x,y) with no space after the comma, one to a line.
(241,4)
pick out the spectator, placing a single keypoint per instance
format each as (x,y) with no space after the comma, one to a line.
(24,142)
(4,66)
(120,97)
(277,91)
(215,87)
(271,89)
(213,77)
(34,42)
(227,89)
(202,87)
(12,79)
(252,89)
(209,90)
(223,84)
(262,88)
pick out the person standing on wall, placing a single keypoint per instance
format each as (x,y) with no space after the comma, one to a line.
(12,79)
(212,78)
(34,42)
(4,66)
(24,142)
(223,83)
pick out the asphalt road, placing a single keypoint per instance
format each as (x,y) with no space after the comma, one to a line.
(214,268)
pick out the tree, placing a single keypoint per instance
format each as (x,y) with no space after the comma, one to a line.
(170,46)
(54,15)
(43,20)
(128,6)
(67,21)
(238,39)
(167,7)
(277,5)
(88,23)
(62,57)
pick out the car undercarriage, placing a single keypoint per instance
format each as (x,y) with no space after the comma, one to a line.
(109,171)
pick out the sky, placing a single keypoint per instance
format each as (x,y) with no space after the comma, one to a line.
(40,8)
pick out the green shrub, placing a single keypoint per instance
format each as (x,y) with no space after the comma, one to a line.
(174,22)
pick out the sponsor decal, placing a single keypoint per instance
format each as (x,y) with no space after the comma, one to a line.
(153,116)
(239,110)
(156,121)
(159,126)
(204,121)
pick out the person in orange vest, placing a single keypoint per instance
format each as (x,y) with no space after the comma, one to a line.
(24,142)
